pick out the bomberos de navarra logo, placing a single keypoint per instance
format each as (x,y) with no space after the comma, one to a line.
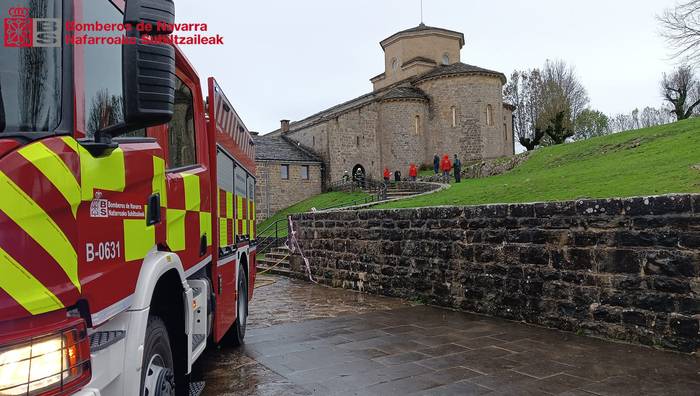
(18,28)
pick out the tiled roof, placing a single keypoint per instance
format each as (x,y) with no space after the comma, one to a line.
(459,68)
(279,148)
(405,93)
(422,27)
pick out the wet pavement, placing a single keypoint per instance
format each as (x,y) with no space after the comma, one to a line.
(305,339)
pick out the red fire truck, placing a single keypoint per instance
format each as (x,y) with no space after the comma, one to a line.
(127,217)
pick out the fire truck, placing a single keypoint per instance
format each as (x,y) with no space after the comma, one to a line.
(127,216)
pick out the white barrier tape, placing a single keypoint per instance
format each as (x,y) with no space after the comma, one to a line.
(293,245)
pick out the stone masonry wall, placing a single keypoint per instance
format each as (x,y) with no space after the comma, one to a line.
(401,145)
(345,141)
(471,138)
(624,269)
(272,193)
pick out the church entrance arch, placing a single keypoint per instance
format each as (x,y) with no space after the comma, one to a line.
(358,173)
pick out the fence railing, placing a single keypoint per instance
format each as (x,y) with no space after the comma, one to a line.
(374,187)
(272,236)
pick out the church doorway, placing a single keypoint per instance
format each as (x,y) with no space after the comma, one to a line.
(358,173)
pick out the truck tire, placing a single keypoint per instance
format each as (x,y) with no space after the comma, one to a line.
(157,369)
(238,329)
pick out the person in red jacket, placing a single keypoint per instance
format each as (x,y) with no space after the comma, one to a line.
(412,172)
(446,167)
(387,175)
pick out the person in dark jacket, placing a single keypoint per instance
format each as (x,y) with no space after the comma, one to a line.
(436,163)
(457,166)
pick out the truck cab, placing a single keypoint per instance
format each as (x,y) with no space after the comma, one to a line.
(127,216)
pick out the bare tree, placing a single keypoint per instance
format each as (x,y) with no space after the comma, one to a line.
(681,28)
(524,91)
(682,91)
(620,122)
(564,98)
(652,116)
(648,117)
(564,77)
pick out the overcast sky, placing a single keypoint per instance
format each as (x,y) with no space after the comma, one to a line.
(290,59)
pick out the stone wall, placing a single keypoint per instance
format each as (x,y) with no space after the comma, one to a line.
(272,193)
(432,47)
(345,141)
(624,269)
(400,142)
(471,138)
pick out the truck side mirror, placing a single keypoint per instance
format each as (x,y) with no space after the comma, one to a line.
(149,84)
(148,68)
(159,14)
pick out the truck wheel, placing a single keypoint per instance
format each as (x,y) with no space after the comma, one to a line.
(241,308)
(157,369)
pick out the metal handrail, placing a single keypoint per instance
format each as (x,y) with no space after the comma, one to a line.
(275,224)
(267,242)
(363,184)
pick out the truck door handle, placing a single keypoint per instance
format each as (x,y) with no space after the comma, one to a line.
(153,214)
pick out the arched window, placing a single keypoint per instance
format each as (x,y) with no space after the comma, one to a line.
(446,59)
(454,116)
(489,115)
(417,124)
(394,64)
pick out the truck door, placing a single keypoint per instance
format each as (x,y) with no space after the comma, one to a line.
(113,236)
(187,202)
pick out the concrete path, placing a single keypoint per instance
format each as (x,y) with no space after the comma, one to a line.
(305,339)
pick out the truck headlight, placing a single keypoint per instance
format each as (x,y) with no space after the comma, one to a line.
(51,363)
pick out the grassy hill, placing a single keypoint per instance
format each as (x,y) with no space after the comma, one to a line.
(649,161)
(321,201)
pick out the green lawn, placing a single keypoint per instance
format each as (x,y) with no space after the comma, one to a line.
(427,172)
(321,201)
(650,161)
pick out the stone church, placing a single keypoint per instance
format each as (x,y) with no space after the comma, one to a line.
(425,102)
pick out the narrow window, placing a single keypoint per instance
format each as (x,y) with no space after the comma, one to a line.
(505,132)
(251,192)
(454,116)
(417,126)
(305,172)
(181,137)
(313,141)
(446,59)
(284,172)
(357,139)
(489,115)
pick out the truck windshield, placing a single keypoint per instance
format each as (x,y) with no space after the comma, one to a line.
(30,75)
(102,74)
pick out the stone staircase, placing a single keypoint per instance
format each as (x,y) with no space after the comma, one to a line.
(398,191)
(276,261)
